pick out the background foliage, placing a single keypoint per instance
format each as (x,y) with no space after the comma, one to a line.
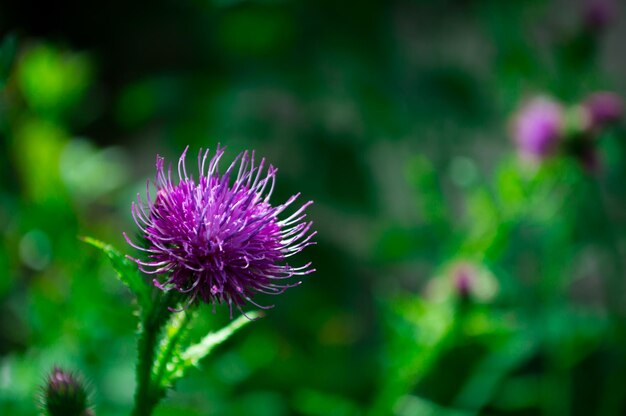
(394,116)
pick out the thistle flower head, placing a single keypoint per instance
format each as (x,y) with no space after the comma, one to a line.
(603,108)
(598,14)
(537,128)
(65,395)
(217,240)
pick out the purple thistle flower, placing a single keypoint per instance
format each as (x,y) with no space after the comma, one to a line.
(216,241)
(537,128)
(598,14)
(603,108)
(65,395)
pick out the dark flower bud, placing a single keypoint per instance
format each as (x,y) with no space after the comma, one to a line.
(65,395)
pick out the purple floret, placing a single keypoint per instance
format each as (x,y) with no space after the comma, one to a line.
(220,242)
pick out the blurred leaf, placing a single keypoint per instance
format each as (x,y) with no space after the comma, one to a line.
(7,56)
(484,223)
(260,403)
(490,372)
(422,175)
(396,243)
(452,89)
(510,188)
(137,104)
(126,270)
(418,333)
(83,165)
(315,403)
(38,146)
(574,333)
(413,405)
(518,393)
(150,98)
(253,31)
(52,81)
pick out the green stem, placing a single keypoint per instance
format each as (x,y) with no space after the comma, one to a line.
(146,394)
(613,401)
(614,284)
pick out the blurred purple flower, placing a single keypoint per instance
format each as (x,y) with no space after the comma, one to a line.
(216,241)
(464,280)
(603,108)
(598,14)
(65,395)
(537,127)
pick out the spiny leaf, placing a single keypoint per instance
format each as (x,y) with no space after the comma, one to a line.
(126,270)
(190,357)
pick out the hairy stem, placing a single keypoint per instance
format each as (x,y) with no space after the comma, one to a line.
(147,395)
(172,343)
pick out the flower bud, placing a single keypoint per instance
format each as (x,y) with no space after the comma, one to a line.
(464,280)
(65,395)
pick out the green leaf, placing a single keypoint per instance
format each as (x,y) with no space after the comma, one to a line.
(182,361)
(489,374)
(126,270)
